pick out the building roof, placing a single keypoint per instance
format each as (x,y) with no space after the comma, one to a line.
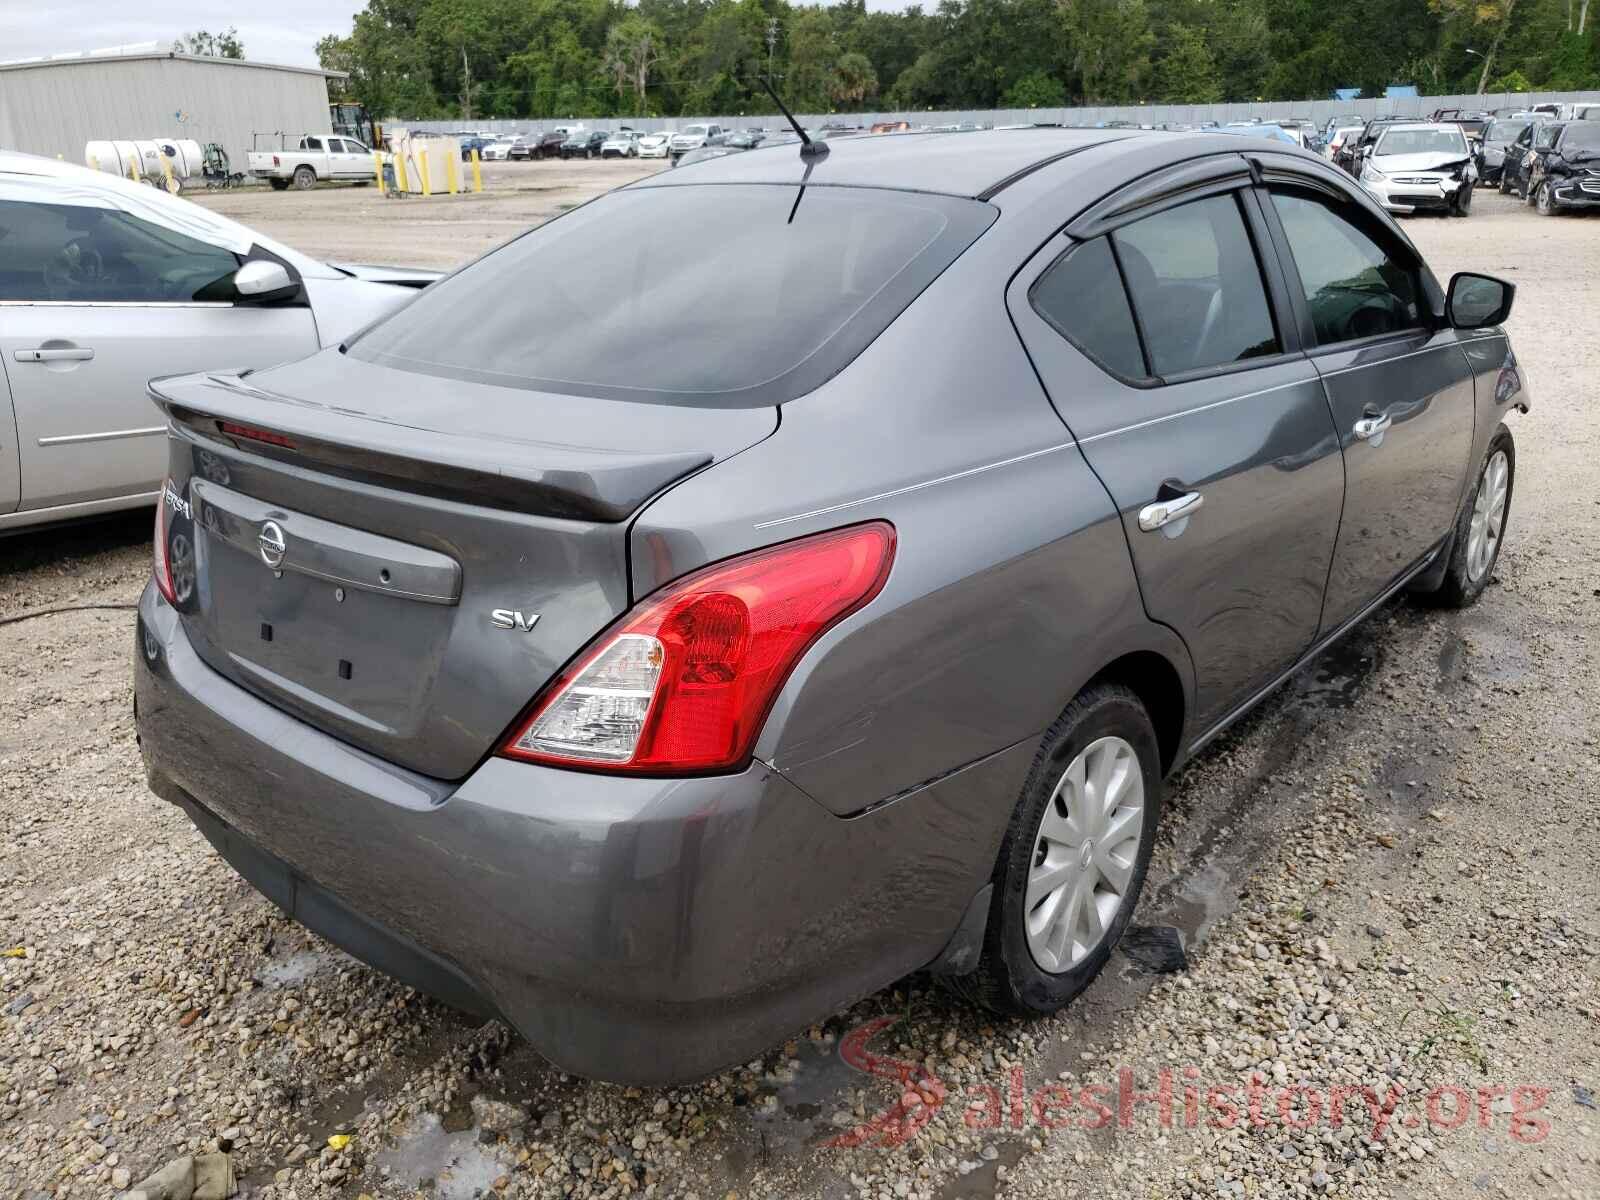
(92,57)
(959,164)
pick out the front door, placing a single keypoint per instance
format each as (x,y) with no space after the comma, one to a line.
(1401,392)
(1208,429)
(94,302)
(10,473)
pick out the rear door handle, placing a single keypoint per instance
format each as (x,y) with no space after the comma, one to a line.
(1372,429)
(1165,512)
(76,354)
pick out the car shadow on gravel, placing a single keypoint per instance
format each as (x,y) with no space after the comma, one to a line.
(65,548)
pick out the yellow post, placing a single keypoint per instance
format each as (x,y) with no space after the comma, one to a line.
(166,169)
(422,165)
(400,172)
(132,174)
(450,173)
(94,162)
(477,172)
(377,168)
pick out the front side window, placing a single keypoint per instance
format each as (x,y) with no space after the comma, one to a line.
(91,254)
(1196,286)
(1505,131)
(1546,136)
(1354,288)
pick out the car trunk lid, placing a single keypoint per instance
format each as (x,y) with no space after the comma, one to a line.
(403,560)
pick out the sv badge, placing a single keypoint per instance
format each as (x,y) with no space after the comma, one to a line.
(512,618)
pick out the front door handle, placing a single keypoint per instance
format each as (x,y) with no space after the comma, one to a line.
(1167,512)
(1372,428)
(55,354)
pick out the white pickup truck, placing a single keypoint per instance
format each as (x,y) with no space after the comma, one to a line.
(314,157)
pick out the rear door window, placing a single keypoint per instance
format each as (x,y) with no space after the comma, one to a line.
(1197,287)
(725,295)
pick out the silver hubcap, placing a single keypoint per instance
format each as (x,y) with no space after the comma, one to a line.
(1083,857)
(1488,515)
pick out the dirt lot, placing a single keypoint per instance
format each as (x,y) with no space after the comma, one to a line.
(358,224)
(1384,879)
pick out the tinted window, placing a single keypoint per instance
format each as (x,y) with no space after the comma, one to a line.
(1196,286)
(722,295)
(1082,296)
(89,254)
(1354,288)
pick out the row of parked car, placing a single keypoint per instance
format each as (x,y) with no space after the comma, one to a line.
(1548,154)
(577,141)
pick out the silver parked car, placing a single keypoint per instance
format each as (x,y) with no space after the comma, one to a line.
(105,283)
(955,493)
(1421,167)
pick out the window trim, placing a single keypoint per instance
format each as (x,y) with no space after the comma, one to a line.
(1295,282)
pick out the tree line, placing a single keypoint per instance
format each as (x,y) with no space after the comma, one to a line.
(595,58)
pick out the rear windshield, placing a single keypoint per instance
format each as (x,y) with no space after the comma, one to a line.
(726,295)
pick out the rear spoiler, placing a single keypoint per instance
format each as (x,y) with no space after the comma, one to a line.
(513,474)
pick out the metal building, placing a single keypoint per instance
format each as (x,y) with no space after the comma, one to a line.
(52,106)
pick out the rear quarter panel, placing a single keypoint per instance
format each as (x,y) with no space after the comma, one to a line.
(1011,585)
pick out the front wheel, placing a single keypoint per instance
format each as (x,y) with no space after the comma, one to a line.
(1074,857)
(1461,205)
(1481,527)
(1544,199)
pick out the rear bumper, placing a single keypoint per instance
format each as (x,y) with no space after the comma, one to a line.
(634,930)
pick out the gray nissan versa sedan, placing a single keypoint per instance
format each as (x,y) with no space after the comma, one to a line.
(948,498)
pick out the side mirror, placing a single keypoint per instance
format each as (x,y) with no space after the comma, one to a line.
(262,281)
(1478,301)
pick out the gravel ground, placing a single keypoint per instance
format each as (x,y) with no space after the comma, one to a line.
(1384,878)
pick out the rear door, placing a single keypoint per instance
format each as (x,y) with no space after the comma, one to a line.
(10,476)
(1201,417)
(95,301)
(1398,383)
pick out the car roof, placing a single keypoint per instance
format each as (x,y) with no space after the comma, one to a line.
(958,164)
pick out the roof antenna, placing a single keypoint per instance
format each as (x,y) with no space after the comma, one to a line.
(808,148)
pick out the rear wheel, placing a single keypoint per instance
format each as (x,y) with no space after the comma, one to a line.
(1505,183)
(304,178)
(1073,859)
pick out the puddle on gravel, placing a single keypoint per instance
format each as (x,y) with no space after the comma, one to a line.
(452,1164)
(297,968)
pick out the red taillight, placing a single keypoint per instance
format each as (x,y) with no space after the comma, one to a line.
(161,567)
(252,434)
(683,682)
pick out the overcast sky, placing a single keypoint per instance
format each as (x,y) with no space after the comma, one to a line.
(283,31)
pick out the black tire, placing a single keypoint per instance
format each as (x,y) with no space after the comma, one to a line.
(1462,204)
(1544,200)
(304,178)
(1505,183)
(1007,978)
(1460,587)
(279,185)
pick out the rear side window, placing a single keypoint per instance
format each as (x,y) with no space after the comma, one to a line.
(1081,295)
(1196,286)
(725,295)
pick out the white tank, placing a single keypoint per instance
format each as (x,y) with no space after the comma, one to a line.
(143,158)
